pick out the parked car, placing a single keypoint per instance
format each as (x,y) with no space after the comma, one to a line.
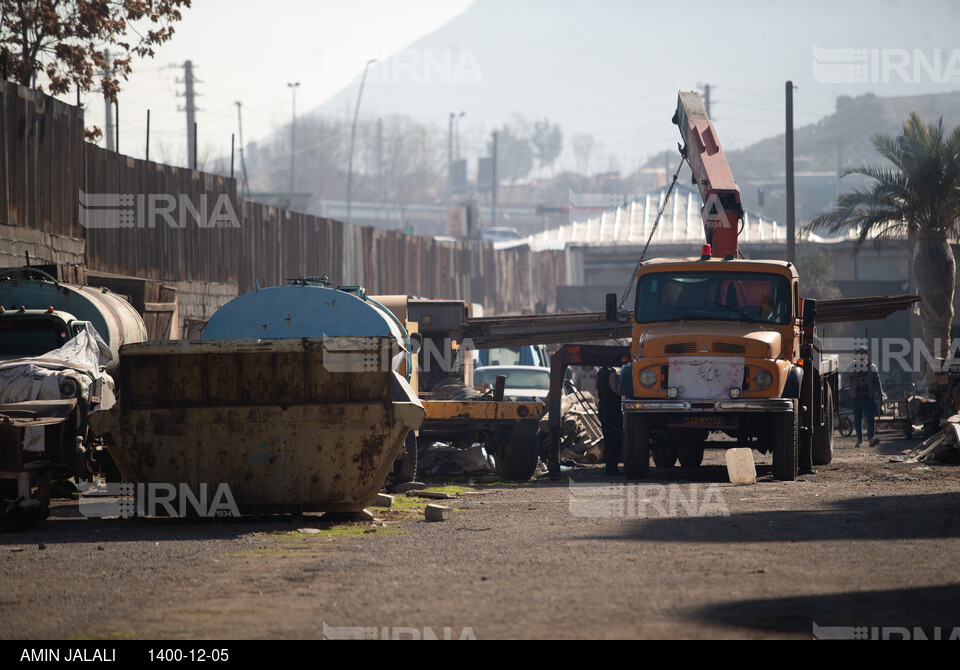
(535,355)
(501,233)
(523,381)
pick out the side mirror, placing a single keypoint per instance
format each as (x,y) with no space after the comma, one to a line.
(612,307)
(809,312)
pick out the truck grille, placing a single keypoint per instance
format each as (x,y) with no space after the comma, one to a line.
(681,348)
(729,348)
(716,347)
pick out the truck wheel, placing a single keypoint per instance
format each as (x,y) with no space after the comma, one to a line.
(785,445)
(664,457)
(518,454)
(823,437)
(690,456)
(636,446)
(405,470)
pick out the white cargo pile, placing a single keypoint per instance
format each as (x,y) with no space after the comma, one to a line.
(581,439)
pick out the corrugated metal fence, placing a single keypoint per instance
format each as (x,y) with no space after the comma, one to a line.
(45,164)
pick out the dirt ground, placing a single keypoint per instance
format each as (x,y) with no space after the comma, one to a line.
(863,544)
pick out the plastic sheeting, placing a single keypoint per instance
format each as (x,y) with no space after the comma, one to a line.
(42,378)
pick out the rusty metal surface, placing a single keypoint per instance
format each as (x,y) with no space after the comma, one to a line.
(37,412)
(476,410)
(282,422)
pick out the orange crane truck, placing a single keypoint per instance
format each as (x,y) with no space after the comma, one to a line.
(721,343)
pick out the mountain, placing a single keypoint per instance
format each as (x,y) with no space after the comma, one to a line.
(840,140)
(612,68)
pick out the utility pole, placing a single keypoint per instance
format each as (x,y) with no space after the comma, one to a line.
(109,132)
(457,136)
(353,136)
(493,201)
(706,99)
(791,208)
(379,161)
(190,94)
(148,135)
(245,191)
(450,159)
(293,143)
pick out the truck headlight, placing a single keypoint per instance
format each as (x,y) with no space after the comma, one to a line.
(763,379)
(648,378)
(68,388)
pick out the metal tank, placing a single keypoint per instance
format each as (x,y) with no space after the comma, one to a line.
(114,318)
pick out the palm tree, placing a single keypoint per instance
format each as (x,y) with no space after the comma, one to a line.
(917,198)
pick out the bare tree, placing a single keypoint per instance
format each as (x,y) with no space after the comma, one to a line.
(583,145)
(547,142)
(64,39)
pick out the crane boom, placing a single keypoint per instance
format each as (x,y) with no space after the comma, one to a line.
(722,209)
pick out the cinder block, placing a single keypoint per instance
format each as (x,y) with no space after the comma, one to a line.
(437,512)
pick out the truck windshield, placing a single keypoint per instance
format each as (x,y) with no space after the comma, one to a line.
(714,296)
(23,339)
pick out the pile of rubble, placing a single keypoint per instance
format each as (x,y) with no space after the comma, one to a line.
(942,448)
(581,439)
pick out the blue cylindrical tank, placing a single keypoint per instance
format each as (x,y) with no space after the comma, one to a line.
(302,310)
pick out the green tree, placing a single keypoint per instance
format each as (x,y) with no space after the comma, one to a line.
(918,197)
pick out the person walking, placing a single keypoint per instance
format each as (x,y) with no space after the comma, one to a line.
(611,418)
(866,395)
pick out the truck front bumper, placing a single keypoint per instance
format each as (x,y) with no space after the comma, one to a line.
(727,405)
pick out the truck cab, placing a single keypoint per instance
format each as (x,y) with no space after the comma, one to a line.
(25,333)
(716,346)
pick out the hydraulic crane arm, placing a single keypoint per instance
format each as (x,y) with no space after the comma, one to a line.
(722,209)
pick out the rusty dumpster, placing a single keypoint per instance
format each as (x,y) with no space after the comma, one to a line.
(309,423)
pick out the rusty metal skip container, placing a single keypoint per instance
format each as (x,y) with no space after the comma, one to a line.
(308,417)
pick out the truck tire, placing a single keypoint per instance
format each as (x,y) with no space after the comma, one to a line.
(690,450)
(664,456)
(636,446)
(785,444)
(405,470)
(691,456)
(823,437)
(518,453)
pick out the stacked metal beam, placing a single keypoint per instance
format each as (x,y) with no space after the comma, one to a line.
(511,331)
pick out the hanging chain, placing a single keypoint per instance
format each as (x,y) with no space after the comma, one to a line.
(643,254)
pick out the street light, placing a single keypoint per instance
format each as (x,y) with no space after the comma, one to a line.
(293,141)
(462,114)
(353,135)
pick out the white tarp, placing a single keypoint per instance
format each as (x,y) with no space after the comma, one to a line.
(42,377)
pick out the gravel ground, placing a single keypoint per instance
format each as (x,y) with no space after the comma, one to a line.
(864,542)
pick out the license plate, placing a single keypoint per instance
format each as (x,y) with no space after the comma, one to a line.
(705,421)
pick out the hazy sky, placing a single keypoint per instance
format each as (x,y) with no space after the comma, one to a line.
(248,50)
(610,68)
